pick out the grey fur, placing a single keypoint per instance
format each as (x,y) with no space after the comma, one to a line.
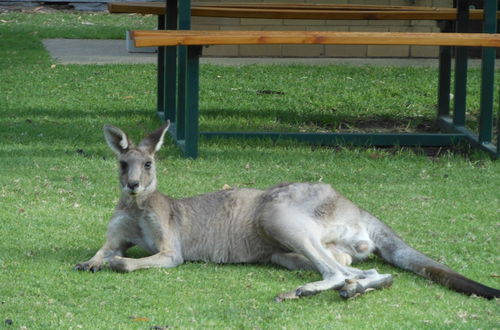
(295,225)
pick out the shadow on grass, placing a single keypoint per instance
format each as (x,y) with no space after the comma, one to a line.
(46,132)
(329,122)
(54,116)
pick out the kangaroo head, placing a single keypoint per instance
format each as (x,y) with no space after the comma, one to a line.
(137,166)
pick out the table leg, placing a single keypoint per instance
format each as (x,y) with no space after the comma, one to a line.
(160,72)
(461,67)
(169,72)
(183,80)
(497,155)
(487,76)
(192,102)
(444,81)
(181,92)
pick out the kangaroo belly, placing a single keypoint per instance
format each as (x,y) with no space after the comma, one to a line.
(220,227)
(237,245)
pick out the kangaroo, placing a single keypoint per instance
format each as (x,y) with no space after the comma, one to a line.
(294,225)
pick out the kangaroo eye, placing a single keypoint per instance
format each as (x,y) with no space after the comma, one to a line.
(147,165)
(123,166)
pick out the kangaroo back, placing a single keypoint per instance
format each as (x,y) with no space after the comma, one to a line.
(394,250)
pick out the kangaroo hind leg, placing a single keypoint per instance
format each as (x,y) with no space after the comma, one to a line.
(301,234)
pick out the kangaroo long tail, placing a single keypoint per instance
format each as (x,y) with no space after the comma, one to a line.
(394,250)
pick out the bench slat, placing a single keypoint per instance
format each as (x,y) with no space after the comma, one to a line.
(298,12)
(319,6)
(190,37)
(272,13)
(115,6)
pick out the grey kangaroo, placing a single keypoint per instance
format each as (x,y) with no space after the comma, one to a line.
(294,225)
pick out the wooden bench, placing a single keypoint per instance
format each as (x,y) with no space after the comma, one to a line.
(300,11)
(180,49)
(152,38)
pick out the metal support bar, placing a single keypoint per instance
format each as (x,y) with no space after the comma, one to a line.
(192,101)
(444,80)
(445,55)
(447,124)
(169,71)
(497,155)
(487,76)
(181,92)
(461,66)
(184,23)
(184,14)
(160,101)
(487,92)
(360,139)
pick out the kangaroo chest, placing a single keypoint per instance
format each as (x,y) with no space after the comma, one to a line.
(149,232)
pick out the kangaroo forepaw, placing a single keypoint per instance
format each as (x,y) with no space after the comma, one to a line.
(88,267)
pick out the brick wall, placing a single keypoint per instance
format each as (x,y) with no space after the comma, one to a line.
(214,23)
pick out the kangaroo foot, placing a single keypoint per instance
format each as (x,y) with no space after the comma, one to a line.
(356,287)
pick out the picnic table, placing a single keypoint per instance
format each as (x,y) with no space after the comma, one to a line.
(179,49)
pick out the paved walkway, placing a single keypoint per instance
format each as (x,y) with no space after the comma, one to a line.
(84,51)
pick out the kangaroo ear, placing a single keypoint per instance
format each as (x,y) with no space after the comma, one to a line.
(154,141)
(117,140)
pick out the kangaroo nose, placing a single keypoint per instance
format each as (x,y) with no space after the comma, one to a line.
(133,185)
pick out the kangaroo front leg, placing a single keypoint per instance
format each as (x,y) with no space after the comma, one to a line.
(104,254)
(161,259)
(121,229)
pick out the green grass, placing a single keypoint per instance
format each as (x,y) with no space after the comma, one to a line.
(58,189)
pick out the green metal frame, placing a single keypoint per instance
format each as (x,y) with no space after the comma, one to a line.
(457,123)
(178,89)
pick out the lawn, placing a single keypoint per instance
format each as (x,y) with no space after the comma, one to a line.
(58,188)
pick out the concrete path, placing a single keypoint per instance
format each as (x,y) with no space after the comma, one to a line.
(84,51)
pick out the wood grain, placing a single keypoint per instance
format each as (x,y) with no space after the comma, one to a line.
(189,37)
(300,11)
